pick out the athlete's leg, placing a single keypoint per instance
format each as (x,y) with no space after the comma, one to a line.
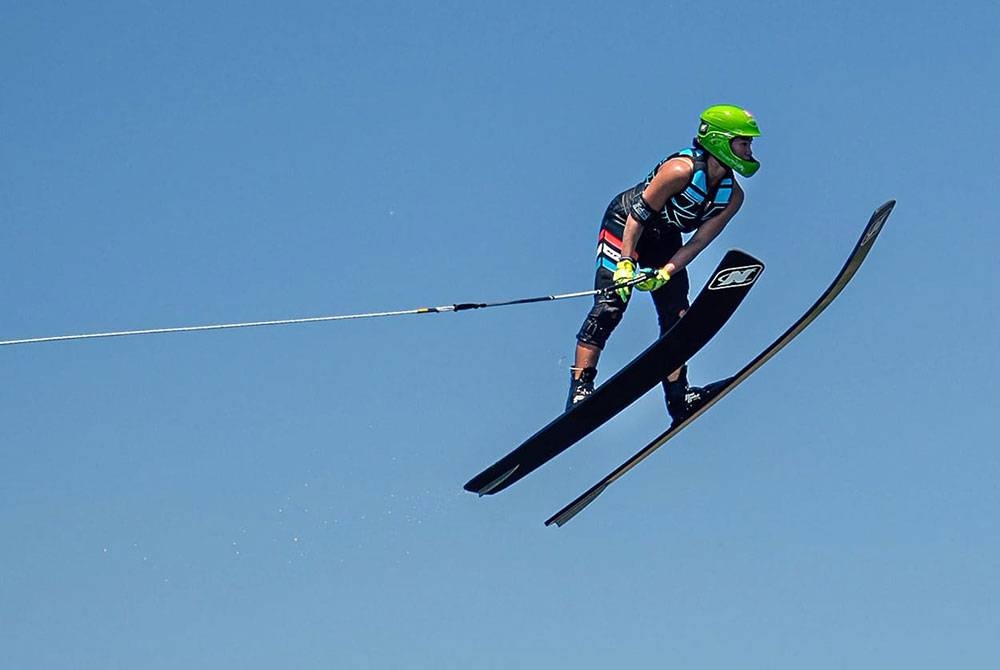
(607,311)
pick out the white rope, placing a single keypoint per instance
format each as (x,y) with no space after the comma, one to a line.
(316,319)
(224,326)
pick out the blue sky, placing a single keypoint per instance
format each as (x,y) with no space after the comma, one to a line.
(291,497)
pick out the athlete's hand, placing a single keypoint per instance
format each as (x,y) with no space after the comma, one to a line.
(624,271)
(657,280)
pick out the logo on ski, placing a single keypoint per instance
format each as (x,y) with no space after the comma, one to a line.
(875,226)
(733,277)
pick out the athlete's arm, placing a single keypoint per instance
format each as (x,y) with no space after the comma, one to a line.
(706,232)
(668,181)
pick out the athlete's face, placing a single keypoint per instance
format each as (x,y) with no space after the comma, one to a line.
(741,147)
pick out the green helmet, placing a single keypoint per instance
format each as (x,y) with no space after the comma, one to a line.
(719,125)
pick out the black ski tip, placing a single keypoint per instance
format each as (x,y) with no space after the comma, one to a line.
(882,212)
(875,223)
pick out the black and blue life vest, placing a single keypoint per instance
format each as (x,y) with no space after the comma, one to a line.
(696,203)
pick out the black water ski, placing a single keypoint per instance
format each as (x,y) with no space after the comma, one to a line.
(730,283)
(854,261)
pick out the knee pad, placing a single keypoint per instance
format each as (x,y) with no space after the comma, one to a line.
(604,316)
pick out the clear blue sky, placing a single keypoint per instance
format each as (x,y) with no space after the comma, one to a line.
(291,497)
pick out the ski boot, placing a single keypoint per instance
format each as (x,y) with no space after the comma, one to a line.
(684,400)
(580,387)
